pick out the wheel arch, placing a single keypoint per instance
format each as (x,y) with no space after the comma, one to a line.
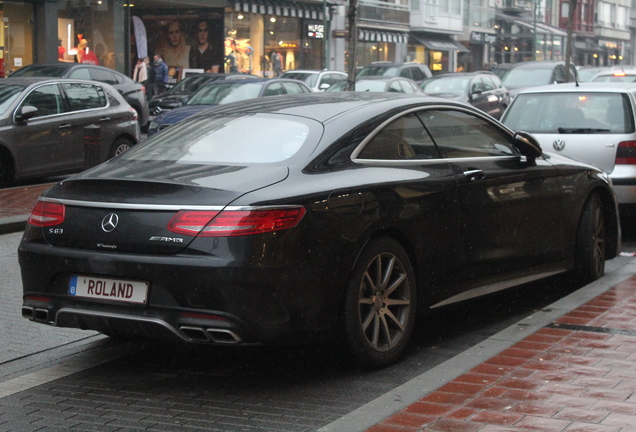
(612,227)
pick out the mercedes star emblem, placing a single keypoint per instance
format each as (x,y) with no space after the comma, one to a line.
(110,222)
(558,144)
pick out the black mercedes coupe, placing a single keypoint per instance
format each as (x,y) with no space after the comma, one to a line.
(316,217)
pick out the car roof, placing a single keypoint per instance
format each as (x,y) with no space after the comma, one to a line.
(314,71)
(27,81)
(324,106)
(538,64)
(463,74)
(584,87)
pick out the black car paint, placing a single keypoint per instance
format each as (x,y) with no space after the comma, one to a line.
(461,233)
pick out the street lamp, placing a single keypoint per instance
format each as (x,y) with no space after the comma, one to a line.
(536,5)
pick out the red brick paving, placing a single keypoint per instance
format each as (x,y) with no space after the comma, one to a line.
(19,201)
(557,380)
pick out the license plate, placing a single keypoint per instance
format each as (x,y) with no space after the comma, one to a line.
(109,289)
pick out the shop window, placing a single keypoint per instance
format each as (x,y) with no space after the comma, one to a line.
(16,36)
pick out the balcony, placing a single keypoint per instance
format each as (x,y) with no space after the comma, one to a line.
(383,13)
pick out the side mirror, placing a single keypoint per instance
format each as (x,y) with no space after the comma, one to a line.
(324,86)
(527,145)
(25,112)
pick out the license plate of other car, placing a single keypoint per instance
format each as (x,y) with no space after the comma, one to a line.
(109,289)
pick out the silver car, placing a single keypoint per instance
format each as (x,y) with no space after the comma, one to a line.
(591,122)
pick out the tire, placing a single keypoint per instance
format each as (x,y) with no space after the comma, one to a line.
(590,242)
(379,309)
(120,146)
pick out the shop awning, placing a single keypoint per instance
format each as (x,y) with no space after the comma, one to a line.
(376,35)
(530,25)
(281,8)
(438,42)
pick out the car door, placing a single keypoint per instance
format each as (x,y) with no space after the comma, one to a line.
(294,88)
(510,206)
(44,142)
(89,103)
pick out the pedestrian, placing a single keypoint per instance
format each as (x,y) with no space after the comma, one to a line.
(277,63)
(140,74)
(160,75)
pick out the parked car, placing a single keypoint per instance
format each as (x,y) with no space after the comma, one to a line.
(316,80)
(415,71)
(379,84)
(43,121)
(184,89)
(536,73)
(592,122)
(311,218)
(133,92)
(223,92)
(482,90)
(615,75)
(587,72)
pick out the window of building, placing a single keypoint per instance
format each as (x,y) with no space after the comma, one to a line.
(16,36)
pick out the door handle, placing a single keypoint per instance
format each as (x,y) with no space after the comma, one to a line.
(104,119)
(473,175)
(64,126)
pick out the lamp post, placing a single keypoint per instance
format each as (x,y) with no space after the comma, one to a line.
(325,34)
(535,43)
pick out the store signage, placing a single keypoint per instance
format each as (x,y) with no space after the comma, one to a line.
(316,31)
(482,38)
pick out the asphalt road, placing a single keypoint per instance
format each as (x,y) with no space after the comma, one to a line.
(115,385)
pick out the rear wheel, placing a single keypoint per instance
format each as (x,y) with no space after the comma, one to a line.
(590,242)
(120,146)
(379,306)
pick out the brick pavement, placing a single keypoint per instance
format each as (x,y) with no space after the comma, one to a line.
(577,374)
(18,201)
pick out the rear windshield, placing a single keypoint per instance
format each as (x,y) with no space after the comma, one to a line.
(615,78)
(308,78)
(446,85)
(527,77)
(389,71)
(220,94)
(570,112)
(236,139)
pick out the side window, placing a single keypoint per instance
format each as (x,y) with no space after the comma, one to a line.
(274,89)
(407,87)
(81,73)
(293,88)
(103,76)
(477,85)
(461,135)
(85,96)
(395,87)
(488,84)
(405,73)
(47,99)
(417,73)
(559,75)
(403,139)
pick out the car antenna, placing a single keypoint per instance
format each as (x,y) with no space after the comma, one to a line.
(576,80)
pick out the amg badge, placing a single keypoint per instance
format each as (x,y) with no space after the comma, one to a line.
(166,239)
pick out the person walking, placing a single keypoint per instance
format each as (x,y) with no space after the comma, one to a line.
(140,74)
(160,75)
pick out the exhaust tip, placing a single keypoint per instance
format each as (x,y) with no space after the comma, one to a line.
(194,333)
(27,312)
(41,315)
(222,336)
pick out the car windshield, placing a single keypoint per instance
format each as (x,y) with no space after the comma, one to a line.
(190,84)
(8,94)
(586,74)
(228,139)
(571,112)
(40,71)
(527,77)
(220,94)
(615,78)
(446,85)
(308,78)
(388,71)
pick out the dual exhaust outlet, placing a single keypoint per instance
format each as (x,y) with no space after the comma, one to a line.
(40,315)
(219,336)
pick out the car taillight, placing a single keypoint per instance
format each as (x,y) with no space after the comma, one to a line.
(134,113)
(626,153)
(47,214)
(234,222)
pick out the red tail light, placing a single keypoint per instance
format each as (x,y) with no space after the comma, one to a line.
(234,223)
(134,113)
(47,214)
(626,153)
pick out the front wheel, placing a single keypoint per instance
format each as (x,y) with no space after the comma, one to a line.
(590,242)
(120,146)
(379,307)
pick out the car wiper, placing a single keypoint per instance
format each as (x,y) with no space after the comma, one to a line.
(581,130)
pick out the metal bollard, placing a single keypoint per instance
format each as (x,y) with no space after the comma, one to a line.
(91,146)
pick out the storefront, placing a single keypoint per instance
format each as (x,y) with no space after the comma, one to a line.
(379,45)
(437,51)
(16,36)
